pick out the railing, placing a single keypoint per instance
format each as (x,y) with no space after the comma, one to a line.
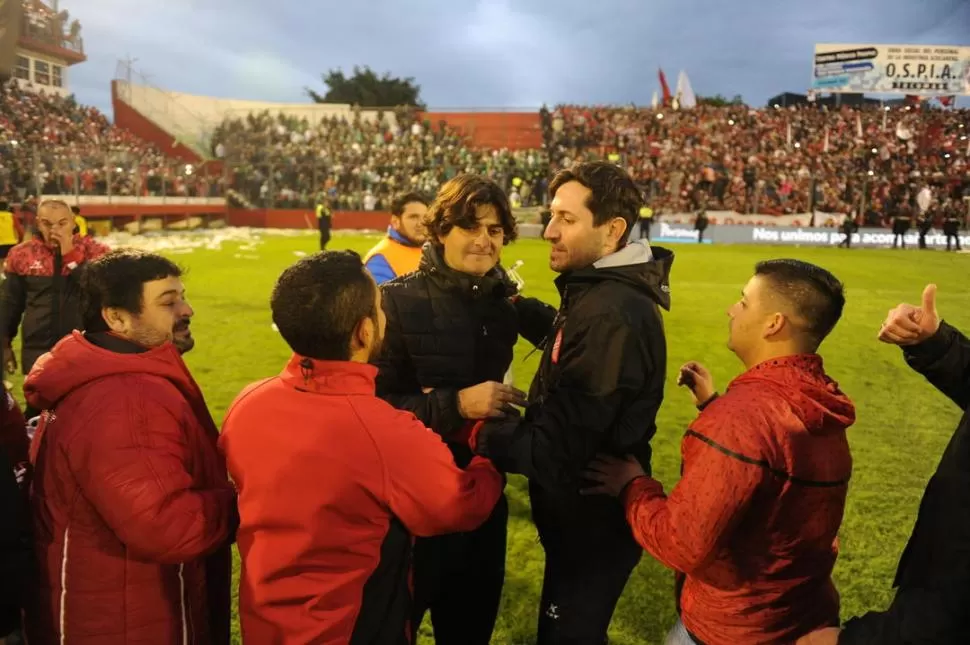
(103,171)
(51,32)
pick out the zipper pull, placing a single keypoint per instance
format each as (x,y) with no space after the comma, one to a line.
(484,330)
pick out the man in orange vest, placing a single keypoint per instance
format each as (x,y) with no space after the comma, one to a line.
(400,251)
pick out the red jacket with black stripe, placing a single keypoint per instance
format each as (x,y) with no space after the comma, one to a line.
(754,519)
(333,483)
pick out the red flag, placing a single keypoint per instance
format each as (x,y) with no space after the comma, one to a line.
(666,88)
(946,101)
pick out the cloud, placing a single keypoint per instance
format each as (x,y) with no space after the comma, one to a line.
(490,53)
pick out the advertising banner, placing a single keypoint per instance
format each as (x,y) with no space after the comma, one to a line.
(731,217)
(926,70)
(665,233)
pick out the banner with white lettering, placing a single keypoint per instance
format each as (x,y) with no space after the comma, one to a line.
(927,70)
(669,233)
(715,218)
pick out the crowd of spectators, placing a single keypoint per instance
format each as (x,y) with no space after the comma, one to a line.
(770,160)
(359,163)
(50,144)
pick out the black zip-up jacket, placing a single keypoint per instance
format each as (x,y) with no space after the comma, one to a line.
(932,603)
(447,330)
(600,382)
(16,552)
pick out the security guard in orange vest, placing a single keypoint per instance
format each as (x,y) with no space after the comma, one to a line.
(10,230)
(400,252)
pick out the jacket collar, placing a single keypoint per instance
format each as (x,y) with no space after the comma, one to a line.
(114,343)
(329,377)
(495,282)
(395,236)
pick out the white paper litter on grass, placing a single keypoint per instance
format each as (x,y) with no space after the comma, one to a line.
(249,239)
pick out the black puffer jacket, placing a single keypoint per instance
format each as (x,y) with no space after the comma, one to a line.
(446,331)
(599,385)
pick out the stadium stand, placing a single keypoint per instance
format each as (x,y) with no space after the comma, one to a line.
(770,161)
(50,144)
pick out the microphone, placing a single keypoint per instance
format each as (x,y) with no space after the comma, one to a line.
(514,275)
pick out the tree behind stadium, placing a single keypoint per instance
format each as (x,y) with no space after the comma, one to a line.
(368,90)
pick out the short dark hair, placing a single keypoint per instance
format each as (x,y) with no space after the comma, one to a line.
(457,200)
(4,205)
(117,279)
(613,192)
(817,296)
(76,210)
(318,302)
(401,201)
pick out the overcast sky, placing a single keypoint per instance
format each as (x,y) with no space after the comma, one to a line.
(490,53)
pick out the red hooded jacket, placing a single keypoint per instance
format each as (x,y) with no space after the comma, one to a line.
(132,507)
(333,483)
(754,519)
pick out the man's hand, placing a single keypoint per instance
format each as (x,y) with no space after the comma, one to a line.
(908,325)
(488,399)
(698,380)
(611,474)
(827,636)
(63,239)
(9,360)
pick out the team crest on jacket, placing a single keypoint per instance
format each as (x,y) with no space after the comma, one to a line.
(555,347)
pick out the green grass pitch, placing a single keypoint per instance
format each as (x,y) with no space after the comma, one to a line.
(902,428)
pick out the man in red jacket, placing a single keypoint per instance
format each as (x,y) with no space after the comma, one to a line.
(752,524)
(133,511)
(330,500)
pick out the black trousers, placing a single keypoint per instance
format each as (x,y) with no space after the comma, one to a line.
(588,564)
(458,578)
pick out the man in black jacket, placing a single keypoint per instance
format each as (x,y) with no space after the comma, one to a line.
(41,286)
(933,577)
(451,329)
(598,389)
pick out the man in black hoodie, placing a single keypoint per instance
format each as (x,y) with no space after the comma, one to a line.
(933,576)
(598,388)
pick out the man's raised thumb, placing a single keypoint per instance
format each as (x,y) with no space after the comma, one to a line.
(929,300)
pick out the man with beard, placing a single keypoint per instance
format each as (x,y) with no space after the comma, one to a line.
(41,286)
(399,252)
(750,528)
(329,507)
(598,388)
(133,513)
(451,329)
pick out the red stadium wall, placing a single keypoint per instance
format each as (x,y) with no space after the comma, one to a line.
(512,130)
(141,126)
(274,218)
